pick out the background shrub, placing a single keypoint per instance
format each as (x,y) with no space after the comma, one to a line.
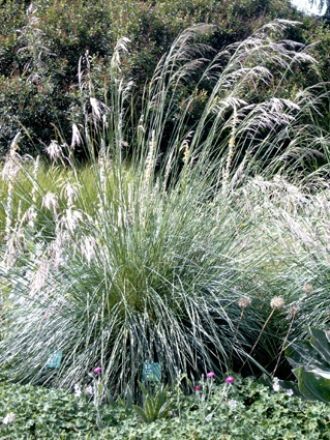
(40,51)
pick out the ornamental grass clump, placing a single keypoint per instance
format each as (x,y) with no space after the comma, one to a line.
(157,254)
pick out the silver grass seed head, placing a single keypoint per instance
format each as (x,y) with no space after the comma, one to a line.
(31,9)
(12,251)
(88,248)
(30,216)
(70,192)
(76,137)
(54,150)
(71,219)
(49,201)
(11,168)
(40,277)
(14,143)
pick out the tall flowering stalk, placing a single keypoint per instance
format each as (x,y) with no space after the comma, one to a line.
(276,303)
(292,316)
(243,304)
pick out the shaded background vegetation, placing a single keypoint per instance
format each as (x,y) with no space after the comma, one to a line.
(40,51)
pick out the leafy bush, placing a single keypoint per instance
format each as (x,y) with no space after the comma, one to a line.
(40,51)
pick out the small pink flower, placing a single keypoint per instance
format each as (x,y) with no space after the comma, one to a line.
(210,375)
(230,379)
(97,371)
(197,388)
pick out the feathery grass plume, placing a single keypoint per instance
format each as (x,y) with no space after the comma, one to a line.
(231,151)
(40,277)
(54,151)
(263,128)
(50,202)
(9,173)
(142,270)
(76,137)
(70,192)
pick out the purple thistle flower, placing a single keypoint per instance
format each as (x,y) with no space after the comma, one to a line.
(230,379)
(97,371)
(210,375)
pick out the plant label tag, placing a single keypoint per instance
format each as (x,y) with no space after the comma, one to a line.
(54,360)
(151,372)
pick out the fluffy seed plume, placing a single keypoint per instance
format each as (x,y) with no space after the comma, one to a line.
(30,216)
(87,248)
(70,192)
(11,167)
(71,219)
(50,202)
(40,277)
(98,109)
(54,151)
(293,311)
(76,136)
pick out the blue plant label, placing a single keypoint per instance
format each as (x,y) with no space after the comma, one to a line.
(151,372)
(54,360)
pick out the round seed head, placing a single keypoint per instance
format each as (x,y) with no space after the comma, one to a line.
(308,288)
(293,311)
(243,303)
(277,302)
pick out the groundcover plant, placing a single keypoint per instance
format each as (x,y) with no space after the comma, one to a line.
(193,255)
(215,409)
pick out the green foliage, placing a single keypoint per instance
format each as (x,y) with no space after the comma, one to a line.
(246,408)
(243,411)
(42,413)
(311,362)
(30,109)
(48,179)
(156,403)
(40,51)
